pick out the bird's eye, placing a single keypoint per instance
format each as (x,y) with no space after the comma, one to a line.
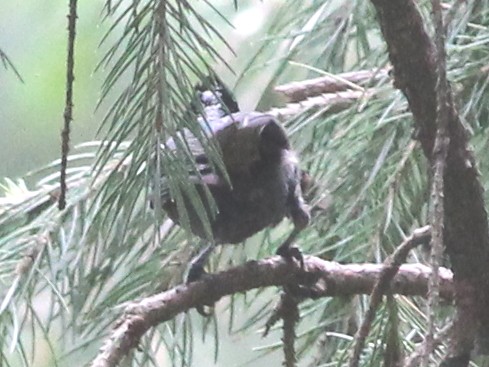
(273,133)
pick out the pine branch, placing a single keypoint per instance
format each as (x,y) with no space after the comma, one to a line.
(415,359)
(382,286)
(393,351)
(329,102)
(304,89)
(332,278)
(287,309)
(466,231)
(290,315)
(102,241)
(68,113)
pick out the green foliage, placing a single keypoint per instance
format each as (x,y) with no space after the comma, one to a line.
(65,276)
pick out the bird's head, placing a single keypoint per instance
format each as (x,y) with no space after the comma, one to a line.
(212,92)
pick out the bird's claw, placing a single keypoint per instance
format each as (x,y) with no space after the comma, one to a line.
(202,310)
(290,253)
(302,291)
(298,290)
(196,273)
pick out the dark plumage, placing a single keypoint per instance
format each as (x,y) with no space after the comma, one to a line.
(262,168)
(265,181)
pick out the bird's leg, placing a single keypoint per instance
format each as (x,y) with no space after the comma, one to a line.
(288,251)
(303,288)
(196,271)
(299,213)
(196,267)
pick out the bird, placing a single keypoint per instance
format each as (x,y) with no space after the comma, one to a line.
(261,185)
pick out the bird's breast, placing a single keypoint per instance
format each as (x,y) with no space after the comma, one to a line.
(257,200)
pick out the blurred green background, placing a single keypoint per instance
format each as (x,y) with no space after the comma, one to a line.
(33,34)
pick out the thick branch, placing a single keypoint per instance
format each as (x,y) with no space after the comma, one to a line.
(331,278)
(466,232)
(442,142)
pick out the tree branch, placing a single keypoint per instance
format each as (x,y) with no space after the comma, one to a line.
(330,84)
(466,232)
(68,113)
(390,269)
(331,102)
(290,316)
(440,152)
(331,279)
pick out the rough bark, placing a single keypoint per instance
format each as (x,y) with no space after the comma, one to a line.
(466,237)
(329,278)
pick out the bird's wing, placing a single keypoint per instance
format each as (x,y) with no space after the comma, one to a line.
(243,139)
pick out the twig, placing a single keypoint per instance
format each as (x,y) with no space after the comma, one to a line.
(68,113)
(331,102)
(390,268)
(287,310)
(440,152)
(8,63)
(330,84)
(290,315)
(337,279)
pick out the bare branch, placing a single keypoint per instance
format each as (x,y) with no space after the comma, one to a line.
(330,84)
(382,286)
(68,113)
(332,278)
(331,102)
(290,315)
